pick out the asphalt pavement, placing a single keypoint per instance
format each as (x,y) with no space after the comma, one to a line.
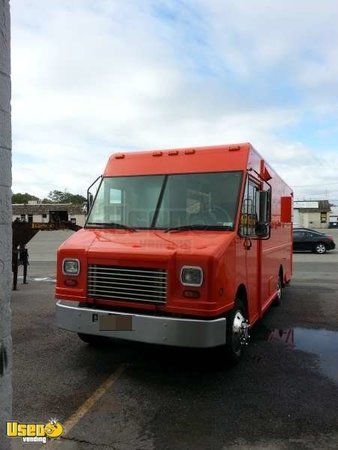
(283,394)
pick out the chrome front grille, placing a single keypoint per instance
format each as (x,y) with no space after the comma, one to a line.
(126,283)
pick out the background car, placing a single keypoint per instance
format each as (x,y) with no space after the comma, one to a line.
(312,240)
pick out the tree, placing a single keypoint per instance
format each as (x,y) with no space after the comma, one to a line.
(23,198)
(64,197)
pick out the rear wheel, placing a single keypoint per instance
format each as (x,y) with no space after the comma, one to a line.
(93,340)
(237,332)
(320,248)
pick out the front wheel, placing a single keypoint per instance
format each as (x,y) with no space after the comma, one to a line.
(237,333)
(320,248)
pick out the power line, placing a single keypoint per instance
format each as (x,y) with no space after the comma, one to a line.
(314,185)
(316,194)
(331,200)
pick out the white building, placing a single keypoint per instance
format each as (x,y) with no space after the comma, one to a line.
(34,212)
(333,219)
(311,214)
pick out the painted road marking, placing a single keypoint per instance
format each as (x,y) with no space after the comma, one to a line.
(70,423)
(90,402)
(49,279)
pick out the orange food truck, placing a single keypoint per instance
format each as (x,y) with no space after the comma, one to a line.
(185,247)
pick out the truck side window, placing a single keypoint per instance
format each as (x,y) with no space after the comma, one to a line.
(250,209)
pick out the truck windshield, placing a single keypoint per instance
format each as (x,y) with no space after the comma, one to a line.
(200,200)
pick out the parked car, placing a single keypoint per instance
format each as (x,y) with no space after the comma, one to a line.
(315,241)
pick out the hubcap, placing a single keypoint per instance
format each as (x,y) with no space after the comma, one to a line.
(321,248)
(240,331)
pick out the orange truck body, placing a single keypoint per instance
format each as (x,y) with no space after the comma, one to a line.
(232,264)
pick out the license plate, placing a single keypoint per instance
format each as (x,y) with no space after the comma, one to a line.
(113,322)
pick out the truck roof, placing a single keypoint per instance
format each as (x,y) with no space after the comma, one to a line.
(179,160)
(228,157)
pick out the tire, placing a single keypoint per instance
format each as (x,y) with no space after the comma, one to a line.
(237,333)
(95,341)
(320,248)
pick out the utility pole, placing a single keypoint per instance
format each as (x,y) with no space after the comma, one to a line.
(5,224)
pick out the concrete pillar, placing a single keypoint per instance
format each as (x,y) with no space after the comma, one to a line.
(5,223)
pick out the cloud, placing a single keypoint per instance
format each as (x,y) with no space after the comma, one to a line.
(90,78)
(267,35)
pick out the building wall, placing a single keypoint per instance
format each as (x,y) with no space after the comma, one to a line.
(334,214)
(311,220)
(38,218)
(80,219)
(296,218)
(5,221)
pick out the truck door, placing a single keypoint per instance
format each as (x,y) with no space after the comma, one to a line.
(249,219)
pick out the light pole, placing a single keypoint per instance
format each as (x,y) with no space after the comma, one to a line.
(5,224)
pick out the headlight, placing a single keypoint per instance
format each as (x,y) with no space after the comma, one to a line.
(191,276)
(71,266)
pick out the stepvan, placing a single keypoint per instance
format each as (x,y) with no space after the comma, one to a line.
(186,247)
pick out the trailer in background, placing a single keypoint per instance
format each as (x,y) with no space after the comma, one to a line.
(23,232)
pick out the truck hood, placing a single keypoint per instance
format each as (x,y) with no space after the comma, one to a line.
(101,243)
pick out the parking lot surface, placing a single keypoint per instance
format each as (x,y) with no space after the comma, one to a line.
(283,394)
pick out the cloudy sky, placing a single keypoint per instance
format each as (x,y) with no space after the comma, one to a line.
(94,77)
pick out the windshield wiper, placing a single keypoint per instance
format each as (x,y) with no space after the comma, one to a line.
(198,227)
(112,225)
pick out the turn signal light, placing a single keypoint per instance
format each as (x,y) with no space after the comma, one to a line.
(70,282)
(191,294)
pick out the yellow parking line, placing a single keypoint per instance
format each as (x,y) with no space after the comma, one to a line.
(89,403)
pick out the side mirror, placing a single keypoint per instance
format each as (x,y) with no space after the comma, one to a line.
(264,206)
(263,224)
(262,229)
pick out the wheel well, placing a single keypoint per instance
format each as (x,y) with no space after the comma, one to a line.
(281,274)
(242,295)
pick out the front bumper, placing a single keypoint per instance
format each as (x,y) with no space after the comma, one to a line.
(194,333)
